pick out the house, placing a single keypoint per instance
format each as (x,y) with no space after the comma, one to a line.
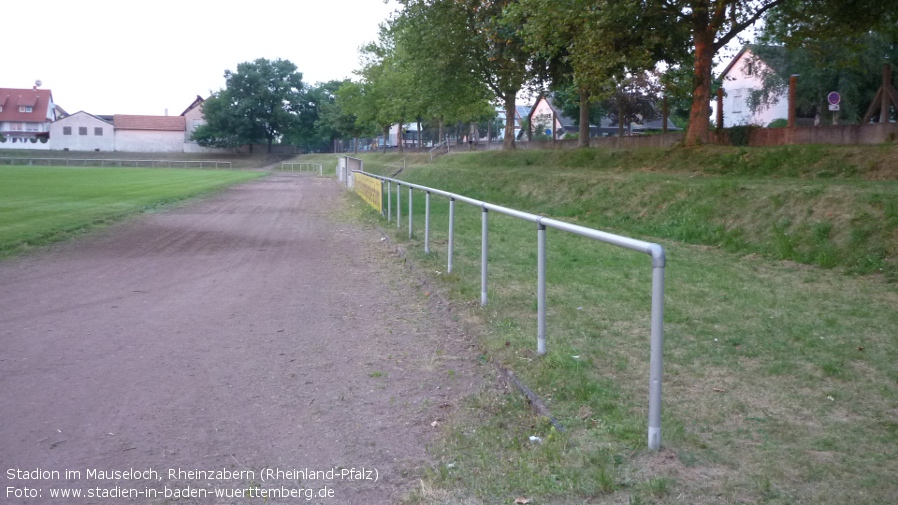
(544,112)
(25,117)
(742,76)
(82,132)
(158,134)
(193,118)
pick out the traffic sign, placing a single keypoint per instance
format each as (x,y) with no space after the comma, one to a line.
(834,99)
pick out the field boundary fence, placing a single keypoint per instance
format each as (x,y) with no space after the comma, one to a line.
(103,162)
(656,251)
(303,167)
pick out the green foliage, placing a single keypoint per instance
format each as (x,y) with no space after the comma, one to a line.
(739,135)
(778,123)
(261,102)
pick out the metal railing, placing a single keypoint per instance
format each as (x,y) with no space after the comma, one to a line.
(445,142)
(102,162)
(656,252)
(303,167)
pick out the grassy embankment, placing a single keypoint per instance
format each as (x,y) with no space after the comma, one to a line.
(780,328)
(40,205)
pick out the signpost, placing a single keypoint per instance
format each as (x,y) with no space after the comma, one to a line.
(834,99)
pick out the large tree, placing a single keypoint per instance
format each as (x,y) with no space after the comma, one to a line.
(261,101)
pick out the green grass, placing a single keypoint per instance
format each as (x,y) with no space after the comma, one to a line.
(780,379)
(40,205)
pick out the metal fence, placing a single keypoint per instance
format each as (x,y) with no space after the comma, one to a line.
(101,162)
(303,167)
(656,252)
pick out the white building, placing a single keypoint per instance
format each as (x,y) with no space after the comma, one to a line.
(25,117)
(81,132)
(740,77)
(156,134)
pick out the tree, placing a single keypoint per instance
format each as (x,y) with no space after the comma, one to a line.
(484,41)
(310,132)
(598,46)
(261,101)
(352,115)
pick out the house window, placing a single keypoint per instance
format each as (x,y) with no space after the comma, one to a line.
(17,127)
(66,130)
(98,131)
(1,108)
(25,108)
(82,130)
(737,101)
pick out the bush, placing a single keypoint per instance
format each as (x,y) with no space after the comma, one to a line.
(778,123)
(740,135)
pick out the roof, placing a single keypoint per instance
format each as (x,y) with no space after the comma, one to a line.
(38,99)
(98,118)
(154,123)
(773,59)
(196,102)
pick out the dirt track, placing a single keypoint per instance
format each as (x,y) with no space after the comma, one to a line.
(245,331)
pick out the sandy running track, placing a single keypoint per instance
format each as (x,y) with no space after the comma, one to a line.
(242,332)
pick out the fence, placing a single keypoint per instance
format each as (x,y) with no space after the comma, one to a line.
(69,162)
(345,166)
(303,167)
(654,250)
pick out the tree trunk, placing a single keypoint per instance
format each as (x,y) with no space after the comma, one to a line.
(399,137)
(386,137)
(442,132)
(583,141)
(508,141)
(418,136)
(356,145)
(701,86)
(270,141)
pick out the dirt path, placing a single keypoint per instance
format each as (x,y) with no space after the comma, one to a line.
(243,332)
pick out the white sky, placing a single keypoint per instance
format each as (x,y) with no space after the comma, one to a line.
(127,57)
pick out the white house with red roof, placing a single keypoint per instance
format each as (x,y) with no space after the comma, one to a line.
(25,117)
(743,75)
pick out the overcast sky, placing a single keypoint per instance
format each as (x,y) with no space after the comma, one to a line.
(128,57)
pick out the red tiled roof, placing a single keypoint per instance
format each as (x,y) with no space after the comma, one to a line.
(37,99)
(159,123)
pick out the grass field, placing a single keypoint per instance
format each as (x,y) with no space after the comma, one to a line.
(40,205)
(780,371)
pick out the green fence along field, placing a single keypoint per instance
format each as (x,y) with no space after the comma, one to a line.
(39,205)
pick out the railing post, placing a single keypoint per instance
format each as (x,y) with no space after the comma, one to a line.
(451,233)
(657,346)
(540,288)
(427,222)
(409,212)
(484,250)
(389,201)
(398,205)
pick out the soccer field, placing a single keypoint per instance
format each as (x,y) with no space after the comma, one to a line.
(40,205)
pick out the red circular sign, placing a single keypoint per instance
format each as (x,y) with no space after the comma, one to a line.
(834,98)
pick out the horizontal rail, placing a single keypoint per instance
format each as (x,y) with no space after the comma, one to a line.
(104,162)
(303,167)
(654,250)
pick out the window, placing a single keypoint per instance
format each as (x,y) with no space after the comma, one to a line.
(98,131)
(25,108)
(1,108)
(82,130)
(66,130)
(737,101)
(17,126)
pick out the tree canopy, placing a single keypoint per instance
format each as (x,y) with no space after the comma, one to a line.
(261,102)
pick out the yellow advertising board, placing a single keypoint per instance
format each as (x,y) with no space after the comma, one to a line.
(370,189)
